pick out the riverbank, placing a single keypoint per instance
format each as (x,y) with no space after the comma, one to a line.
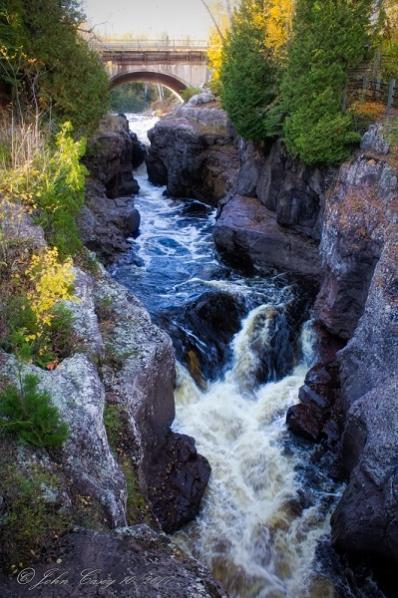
(115,393)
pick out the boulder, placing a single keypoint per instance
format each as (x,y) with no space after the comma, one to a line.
(319,408)
(178,481)
(202,332)
(131,561)
(193,152)
(247,233)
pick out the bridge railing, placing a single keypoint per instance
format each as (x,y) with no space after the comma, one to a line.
(150,45)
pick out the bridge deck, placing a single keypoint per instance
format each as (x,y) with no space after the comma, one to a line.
(151,46)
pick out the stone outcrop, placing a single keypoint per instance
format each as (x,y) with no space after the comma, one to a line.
(273,216)
(247,233)
(110,156)
(76,389)
(365,520)
(118,359)
(132,561)
(172,475)
(193,151)
(109,217)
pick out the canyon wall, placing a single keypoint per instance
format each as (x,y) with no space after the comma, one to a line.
(337,227)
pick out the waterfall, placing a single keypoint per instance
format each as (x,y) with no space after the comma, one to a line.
(268,503)
(253,531)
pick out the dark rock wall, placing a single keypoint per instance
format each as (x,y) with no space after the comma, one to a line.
(109,217)
(193,152)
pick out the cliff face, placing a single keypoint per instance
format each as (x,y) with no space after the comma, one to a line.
(359,300)
(193,152)
(108,216)
(339,227)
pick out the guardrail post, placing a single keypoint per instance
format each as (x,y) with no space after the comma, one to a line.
(391,91)
(365,86)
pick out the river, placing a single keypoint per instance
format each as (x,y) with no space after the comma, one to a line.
(267,507)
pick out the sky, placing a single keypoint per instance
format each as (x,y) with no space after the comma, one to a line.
(177,18)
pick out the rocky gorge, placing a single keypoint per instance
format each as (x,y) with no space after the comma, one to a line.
(125,473)
(337,227)
(122,467)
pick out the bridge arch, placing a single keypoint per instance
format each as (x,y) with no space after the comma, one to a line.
(172,82)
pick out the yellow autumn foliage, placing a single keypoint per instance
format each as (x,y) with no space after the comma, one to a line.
(275,19)
(214,52)
(51,281)
(278,24)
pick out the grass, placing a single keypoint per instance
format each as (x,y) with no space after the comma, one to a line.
(33,517)
(138,510)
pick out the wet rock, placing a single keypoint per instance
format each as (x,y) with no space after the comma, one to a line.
(132,561)
(203,331)
(247,233)
(319,405)
(178,483)
(138,151)
(193,153)
(105,224)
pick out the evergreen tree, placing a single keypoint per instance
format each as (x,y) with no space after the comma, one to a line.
(329,38)
(249,71)
(30,414)
(47,64)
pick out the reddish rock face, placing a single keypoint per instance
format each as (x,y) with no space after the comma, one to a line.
(319,405)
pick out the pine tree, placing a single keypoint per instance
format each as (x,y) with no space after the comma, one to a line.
(30,414)
(249,71)
(329,38)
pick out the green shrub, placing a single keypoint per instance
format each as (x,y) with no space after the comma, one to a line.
(55,342)
(29,413)
(189,92)
(59,194)
(248,72)
(328,39)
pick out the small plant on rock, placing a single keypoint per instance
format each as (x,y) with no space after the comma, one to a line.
(30,414)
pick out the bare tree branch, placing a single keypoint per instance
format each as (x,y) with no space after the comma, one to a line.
(216,25)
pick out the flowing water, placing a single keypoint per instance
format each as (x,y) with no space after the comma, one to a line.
(268,504)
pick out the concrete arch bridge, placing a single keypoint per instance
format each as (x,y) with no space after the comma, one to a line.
(174,64)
